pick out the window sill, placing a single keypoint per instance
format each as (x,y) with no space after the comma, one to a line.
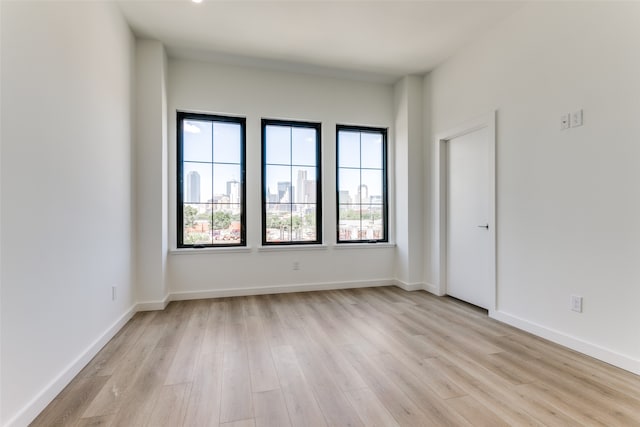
(283,248)
(209,250)
(341,246)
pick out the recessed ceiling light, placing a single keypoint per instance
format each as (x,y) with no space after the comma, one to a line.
(197,1)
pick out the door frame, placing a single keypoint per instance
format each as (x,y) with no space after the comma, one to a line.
(487,121)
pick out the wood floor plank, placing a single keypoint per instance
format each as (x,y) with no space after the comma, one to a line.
(263,372)
(184,362)
(435,409)
(111,355)
(236,397)
(344,375)
(488,389)
(302,407)
(359,357)
(135,407)
(475,413)
(242,423)
(205,395)
(169,408)
(400,405)
(102,421)
(335,407)
(270,409)
(72,402)
(370,409)
(213,340)
(116,388)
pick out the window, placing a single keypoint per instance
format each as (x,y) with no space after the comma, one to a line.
(211,180)
(362,184)
(291,193)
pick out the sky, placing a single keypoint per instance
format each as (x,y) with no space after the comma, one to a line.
(286,145)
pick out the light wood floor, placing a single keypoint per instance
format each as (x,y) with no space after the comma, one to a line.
(363,357)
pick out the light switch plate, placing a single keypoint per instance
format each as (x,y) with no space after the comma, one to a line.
(565,121)
(576,118)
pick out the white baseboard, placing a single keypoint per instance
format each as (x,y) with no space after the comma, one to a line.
(418,286)
(153,305)
(279,289)
(431,288)
(32,409)
(620,360)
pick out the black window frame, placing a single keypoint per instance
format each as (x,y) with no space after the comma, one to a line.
(181,116)
(300,124)
(385,181)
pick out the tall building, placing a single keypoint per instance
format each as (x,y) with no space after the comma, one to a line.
(300,187)
(192,193)
(344,197)
(233,191)
(284,192)
(363,194)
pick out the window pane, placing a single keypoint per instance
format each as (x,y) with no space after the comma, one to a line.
(349,183)
(304,185)
(348,149)
(303,147)
(303,222)
(196,136)
(278,145)
(371,188)
(361,177)
(371,145)
(349,222)
(226,183)
(210,180)
(290,184)
(225,223)
(278,184)
(278,223)
(226,142)
(197,182)
(195,220)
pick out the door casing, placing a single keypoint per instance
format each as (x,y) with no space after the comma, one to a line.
(487,121)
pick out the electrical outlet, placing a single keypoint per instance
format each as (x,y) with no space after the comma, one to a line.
(576,118)
(565,121)
(296,266)
(576,303)
(114,293)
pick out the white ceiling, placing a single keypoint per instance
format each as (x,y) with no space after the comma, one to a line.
(381,40)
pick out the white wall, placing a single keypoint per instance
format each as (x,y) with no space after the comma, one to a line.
(568,202)
(151,171)
(254,93)
(66,193)
(409,187)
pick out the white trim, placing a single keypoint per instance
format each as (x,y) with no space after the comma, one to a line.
(364,246)
(153,305)
(431,288)
(616,359)
(487,121)
(36,405)
(409,286)
(284,248)
(278,289)
(211,250)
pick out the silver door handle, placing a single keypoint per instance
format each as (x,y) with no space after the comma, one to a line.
(484,226)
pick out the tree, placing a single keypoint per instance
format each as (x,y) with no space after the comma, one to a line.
(220,220)
(190,216)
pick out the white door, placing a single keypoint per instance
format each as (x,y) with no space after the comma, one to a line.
(468,238)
